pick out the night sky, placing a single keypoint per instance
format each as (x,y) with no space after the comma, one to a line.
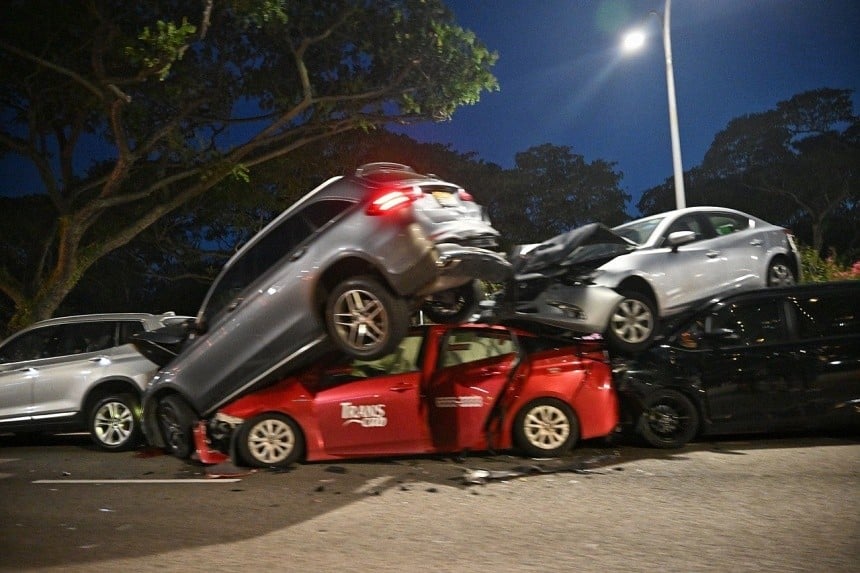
(564,79)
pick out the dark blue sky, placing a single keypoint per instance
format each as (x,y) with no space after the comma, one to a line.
(565,81)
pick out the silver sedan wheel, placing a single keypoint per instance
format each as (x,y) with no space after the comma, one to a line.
(632,322)
(546,427)
(113,423)
(779,274)
(271,441)
(360,319)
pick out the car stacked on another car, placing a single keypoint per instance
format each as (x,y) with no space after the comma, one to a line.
(622,282)
(346,266)
(78,373)
(446,388)
(778,359)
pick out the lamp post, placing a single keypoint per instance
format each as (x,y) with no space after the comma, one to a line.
(634,40)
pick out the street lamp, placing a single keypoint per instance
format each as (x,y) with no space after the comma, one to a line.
(633,41)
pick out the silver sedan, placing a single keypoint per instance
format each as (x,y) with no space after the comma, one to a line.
(622,282)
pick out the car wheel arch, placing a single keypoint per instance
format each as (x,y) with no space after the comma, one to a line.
(640,285)
(105,388)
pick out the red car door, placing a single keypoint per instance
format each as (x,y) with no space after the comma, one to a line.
(379,415)
(472,370)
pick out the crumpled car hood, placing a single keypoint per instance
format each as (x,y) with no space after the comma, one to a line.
(590,245)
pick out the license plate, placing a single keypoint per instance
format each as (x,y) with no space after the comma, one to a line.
(445,199)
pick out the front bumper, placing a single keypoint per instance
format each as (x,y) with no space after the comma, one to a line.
(583,308)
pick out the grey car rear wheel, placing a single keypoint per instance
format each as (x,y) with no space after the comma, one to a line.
(454,305)
(364,319)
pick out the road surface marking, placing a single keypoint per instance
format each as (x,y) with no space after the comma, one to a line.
(85,481)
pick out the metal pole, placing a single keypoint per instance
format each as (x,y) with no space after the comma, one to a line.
(680,196)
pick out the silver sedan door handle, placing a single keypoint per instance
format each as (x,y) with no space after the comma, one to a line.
(712,254)
(756,242)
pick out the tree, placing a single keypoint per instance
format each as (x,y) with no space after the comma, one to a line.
(800,160)
(552,190)
(130,110)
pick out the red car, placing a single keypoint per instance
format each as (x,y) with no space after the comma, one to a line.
(447,388)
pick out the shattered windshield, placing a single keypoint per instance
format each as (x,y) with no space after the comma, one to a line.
(639,231)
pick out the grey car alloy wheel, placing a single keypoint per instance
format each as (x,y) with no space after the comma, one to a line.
(364,319)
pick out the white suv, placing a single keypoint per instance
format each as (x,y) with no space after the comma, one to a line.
(78,372)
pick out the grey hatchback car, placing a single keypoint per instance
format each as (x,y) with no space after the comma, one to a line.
(345,266)
(78,373)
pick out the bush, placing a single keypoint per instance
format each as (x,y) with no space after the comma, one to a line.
(816,269)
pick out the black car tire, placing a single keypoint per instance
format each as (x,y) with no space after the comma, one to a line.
(779,273)
(364,320)
(270,441)
(633,323)
(114,422)
(668,420)
(176,422)
(453,305)
(545,427)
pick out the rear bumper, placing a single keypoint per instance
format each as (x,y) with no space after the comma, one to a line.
(459,264)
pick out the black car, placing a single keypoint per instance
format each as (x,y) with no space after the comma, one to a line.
(778,359)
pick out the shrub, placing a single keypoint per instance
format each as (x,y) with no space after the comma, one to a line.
(816,269)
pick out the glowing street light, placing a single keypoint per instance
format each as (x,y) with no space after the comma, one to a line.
(634,41)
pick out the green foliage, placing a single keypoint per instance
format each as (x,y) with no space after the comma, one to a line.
(130,111)
(161,47)
(552,190)
(816,268)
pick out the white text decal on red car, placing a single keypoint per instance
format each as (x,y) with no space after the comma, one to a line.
(366,415)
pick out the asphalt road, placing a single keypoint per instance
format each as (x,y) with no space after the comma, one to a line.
(752,504)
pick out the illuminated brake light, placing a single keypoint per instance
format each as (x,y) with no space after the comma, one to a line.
(465,195)
(389,202)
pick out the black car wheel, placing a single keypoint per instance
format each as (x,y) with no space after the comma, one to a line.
(633,323)
(779,273)
(453,305)
(545,427)
(114,422)
(270,440)
(669,420)
(176,421)
(364,319)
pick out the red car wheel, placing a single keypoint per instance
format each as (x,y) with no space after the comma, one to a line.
(545,428)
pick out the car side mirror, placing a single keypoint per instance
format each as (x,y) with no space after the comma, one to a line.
(679,238)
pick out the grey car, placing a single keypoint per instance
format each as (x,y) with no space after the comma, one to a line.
(78,373)
(346,266)
(622,282)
